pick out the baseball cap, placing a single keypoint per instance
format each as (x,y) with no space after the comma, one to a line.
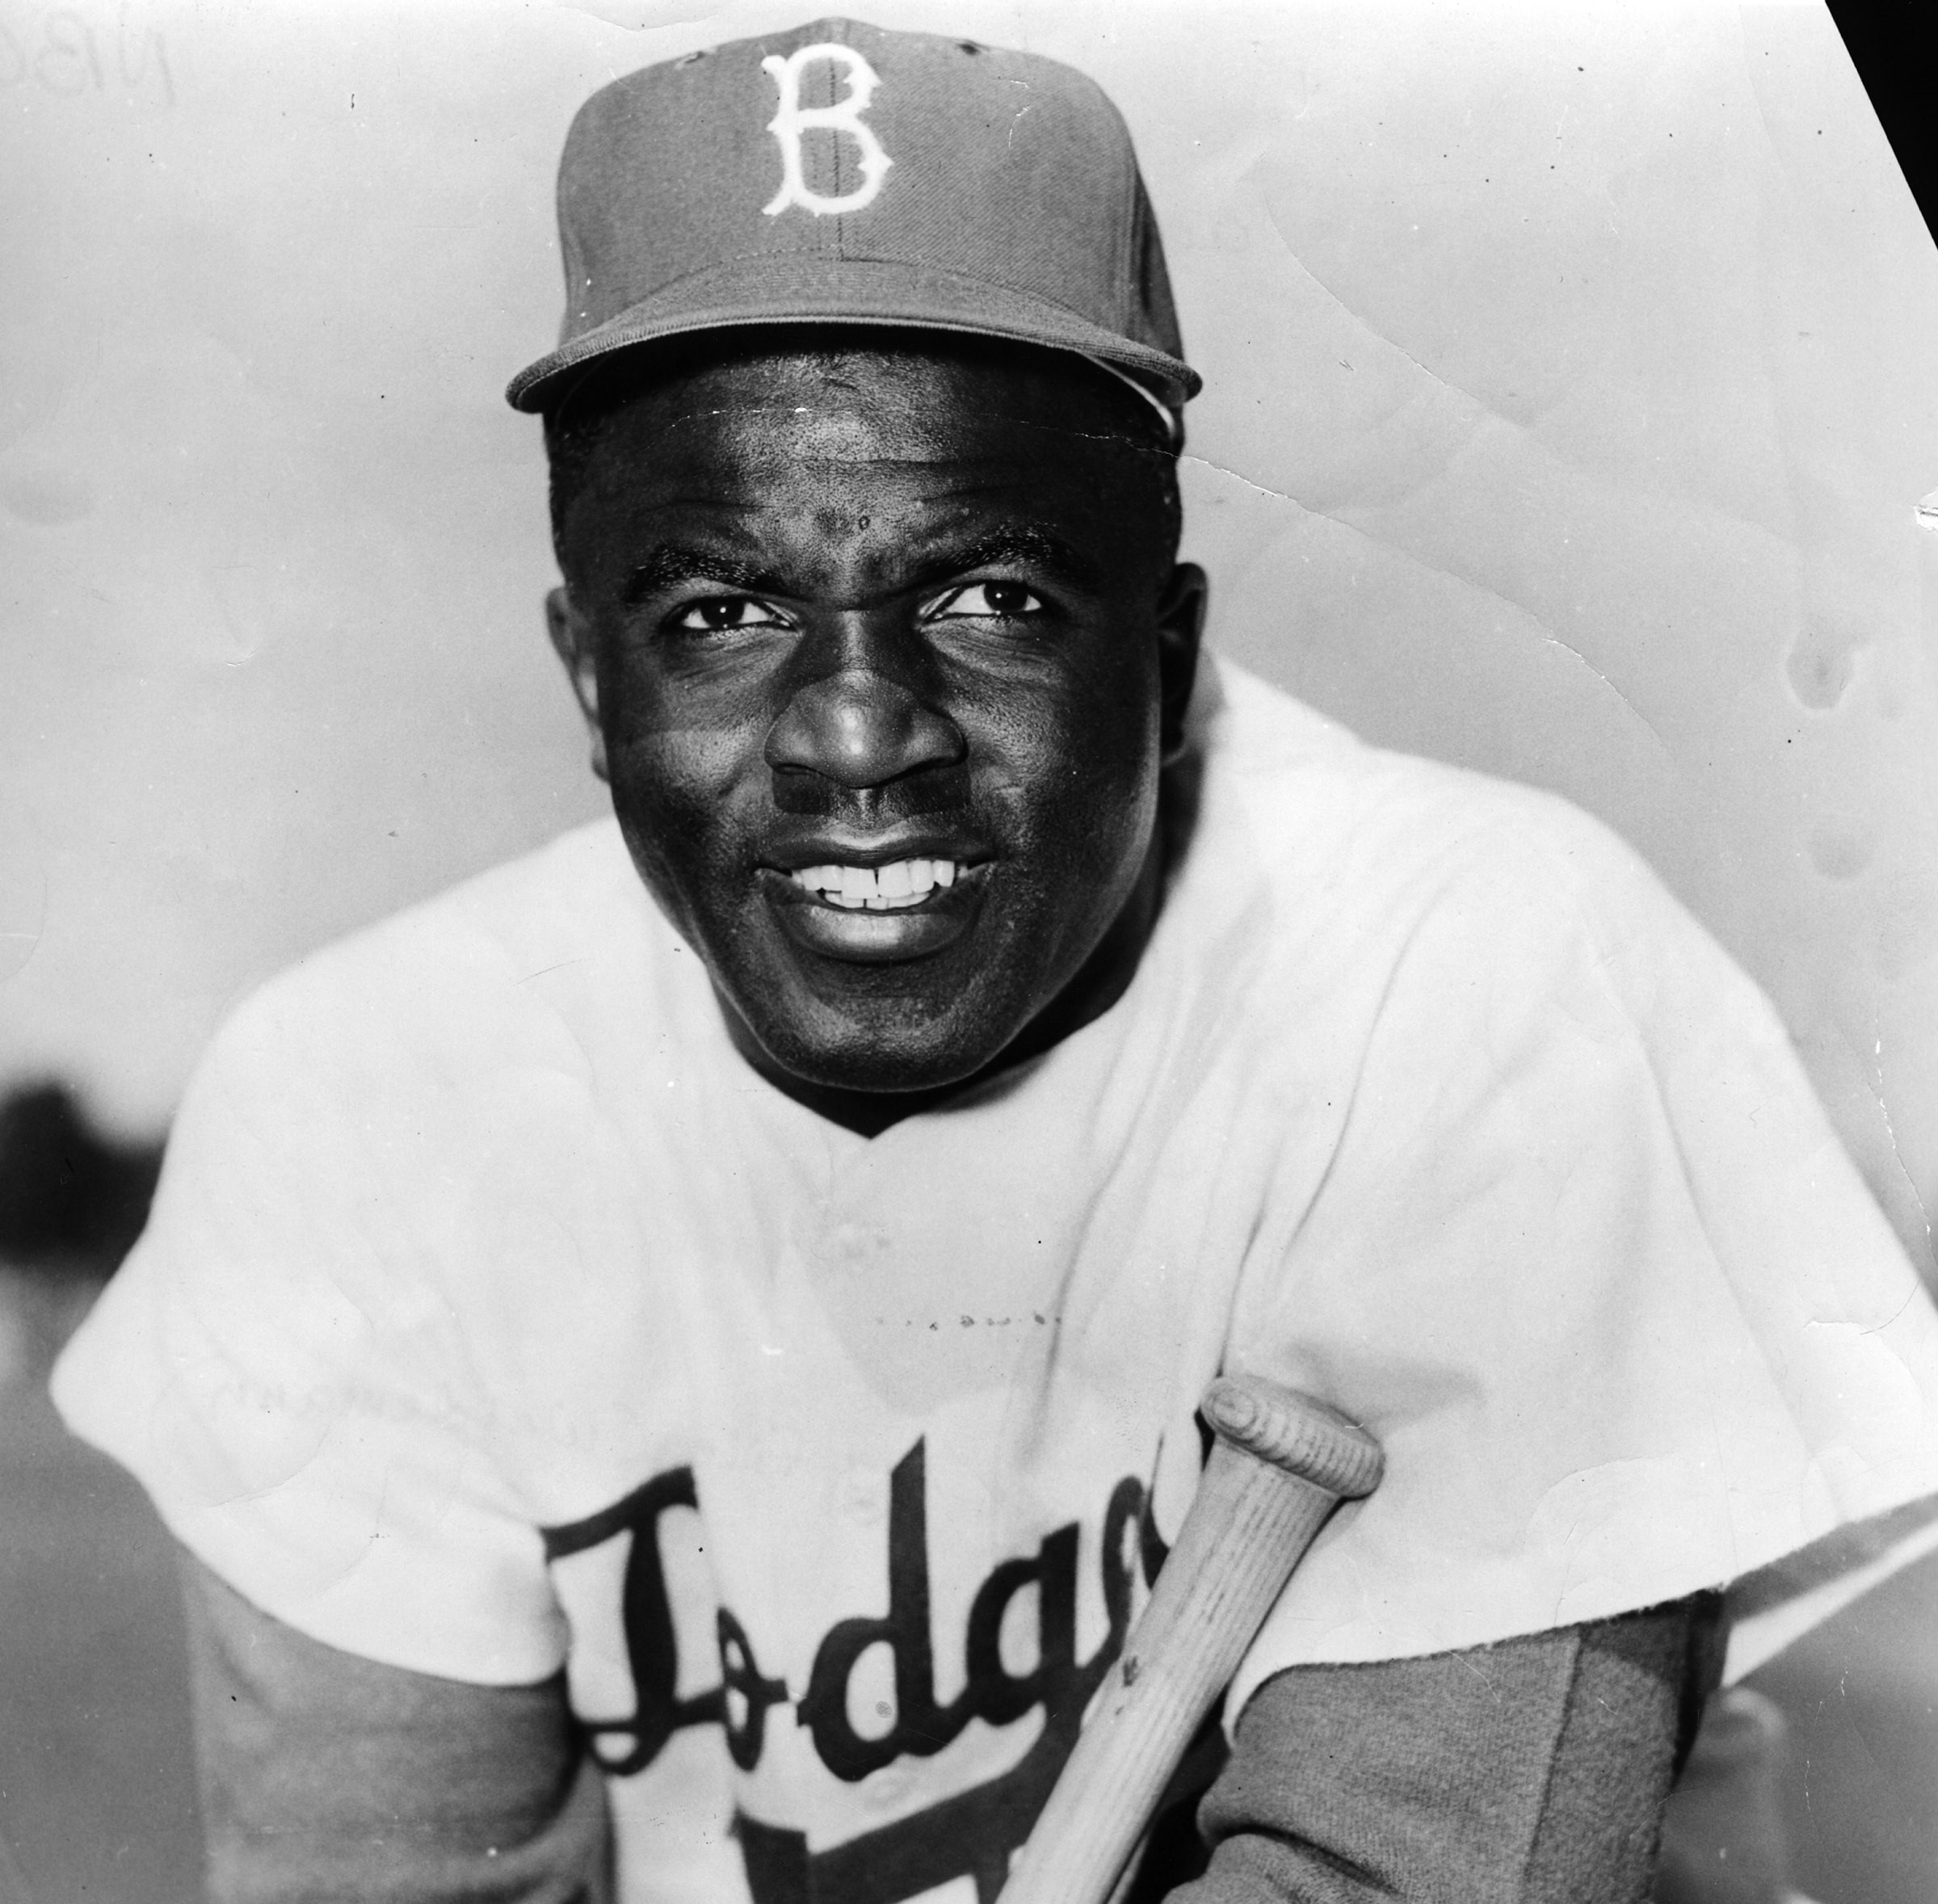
(840,172)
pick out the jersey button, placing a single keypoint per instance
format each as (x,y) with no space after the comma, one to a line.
(889,1788)
(862,1498)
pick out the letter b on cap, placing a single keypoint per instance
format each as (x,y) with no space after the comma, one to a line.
(792,118)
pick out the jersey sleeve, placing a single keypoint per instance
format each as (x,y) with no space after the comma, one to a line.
(1589,1261)
(281,1364)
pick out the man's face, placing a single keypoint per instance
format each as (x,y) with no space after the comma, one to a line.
(879,649)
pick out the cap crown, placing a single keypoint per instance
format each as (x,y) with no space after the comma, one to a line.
(843,172)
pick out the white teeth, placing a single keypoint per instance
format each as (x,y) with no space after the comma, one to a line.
(901,884)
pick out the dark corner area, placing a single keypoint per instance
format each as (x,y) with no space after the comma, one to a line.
(72,1199)
(97,1793)
(1893,44)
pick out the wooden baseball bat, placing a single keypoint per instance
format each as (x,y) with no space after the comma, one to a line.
(1281,1464)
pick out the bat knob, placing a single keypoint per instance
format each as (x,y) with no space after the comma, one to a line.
(1292,1431)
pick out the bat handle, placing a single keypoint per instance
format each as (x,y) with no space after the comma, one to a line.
(1281,1462)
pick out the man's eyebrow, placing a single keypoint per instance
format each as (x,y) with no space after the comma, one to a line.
(674,562)
(1021,542)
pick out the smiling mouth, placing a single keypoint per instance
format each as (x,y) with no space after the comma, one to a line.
(896,887)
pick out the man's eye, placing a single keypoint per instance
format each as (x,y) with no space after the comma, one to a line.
(997,601)
(719,614)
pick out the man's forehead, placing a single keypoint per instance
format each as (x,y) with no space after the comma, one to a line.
(803,556)
(802,517)
(859,400)
(780,445)
(834,427)
(807,449)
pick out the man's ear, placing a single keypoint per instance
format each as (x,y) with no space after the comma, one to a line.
(572,641)
(1180,625)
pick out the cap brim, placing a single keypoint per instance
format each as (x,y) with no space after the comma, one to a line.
(803,289)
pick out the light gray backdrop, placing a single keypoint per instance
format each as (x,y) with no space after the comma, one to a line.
(1569,399)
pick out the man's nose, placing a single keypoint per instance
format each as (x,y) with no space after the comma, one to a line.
(860,728)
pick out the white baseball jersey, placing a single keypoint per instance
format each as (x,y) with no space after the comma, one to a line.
(495,1315)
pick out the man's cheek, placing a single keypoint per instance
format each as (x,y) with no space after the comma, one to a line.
(680,757)
(675,805)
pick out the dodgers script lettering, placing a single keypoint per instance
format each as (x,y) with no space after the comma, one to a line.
(972,1832)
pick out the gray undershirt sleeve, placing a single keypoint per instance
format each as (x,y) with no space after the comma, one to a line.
(1534,1771)
(326,1778)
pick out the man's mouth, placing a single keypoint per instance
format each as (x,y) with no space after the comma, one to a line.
(893,888)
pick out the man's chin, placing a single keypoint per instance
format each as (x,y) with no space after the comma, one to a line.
(854,1055)
(879,1073)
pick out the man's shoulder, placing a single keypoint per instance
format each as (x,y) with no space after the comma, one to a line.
(1333,821)
(1367,882)
(454,979)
